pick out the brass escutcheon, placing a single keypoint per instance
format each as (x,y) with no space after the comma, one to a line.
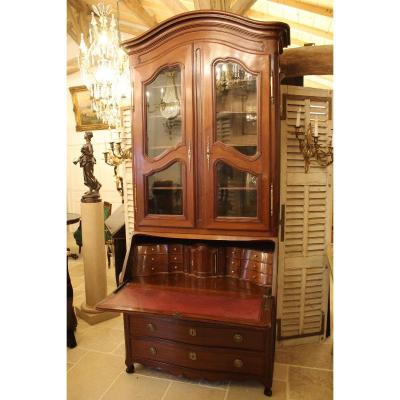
(192,332)
(153,351)
(238,363)
(151,327)
(193,356)
(238,338)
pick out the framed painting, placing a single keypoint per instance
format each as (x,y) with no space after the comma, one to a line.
(85,117)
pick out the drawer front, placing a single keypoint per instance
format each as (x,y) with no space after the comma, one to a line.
(234,252)
(256,266)
(146,270)
(151,264)
(175,258)
(257,277)
(259,256)
(151,260)
(194,333)
(175,248)
(197,357)
(233,267)
(152,249)
(175,267)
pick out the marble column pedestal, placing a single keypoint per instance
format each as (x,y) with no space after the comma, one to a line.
(94,261)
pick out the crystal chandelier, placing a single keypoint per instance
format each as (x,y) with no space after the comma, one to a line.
(104,66)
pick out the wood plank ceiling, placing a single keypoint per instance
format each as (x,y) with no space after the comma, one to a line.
(311,21)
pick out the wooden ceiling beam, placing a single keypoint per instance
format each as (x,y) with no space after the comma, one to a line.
(300,5)
(175,6)
(78,20)
(242,6)
(295,25)
(72,66)
(307,60)
(136,7)
(223,5)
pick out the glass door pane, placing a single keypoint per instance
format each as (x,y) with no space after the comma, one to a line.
(236,192)
(163,112)
(236,107)
(164,191)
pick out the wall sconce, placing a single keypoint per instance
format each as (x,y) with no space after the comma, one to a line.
(115,157)
(309,146)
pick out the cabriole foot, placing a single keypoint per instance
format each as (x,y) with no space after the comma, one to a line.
(268,391)
(130,369)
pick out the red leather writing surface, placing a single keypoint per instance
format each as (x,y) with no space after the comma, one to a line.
(211,305)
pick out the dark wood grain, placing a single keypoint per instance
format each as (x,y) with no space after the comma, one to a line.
(197,287)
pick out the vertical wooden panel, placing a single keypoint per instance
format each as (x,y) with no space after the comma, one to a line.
(303,279)
(126,142)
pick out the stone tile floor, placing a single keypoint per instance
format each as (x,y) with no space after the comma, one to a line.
(96,369)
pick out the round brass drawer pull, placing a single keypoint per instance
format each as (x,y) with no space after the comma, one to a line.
(193,356)
(238,363)
(151,327)
(238,338)
(176,267)
(152,268)
(192,332)
(152,258)
(153,351)
(175,258)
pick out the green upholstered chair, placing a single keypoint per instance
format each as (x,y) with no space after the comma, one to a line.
(107,235)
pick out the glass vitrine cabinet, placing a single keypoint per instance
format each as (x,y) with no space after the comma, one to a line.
(205,136)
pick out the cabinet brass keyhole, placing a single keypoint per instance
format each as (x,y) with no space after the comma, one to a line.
(153,351)
(238,363)
(151,327)
(193,356)
(238,338)
(192,332)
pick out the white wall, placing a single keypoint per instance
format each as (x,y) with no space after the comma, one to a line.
(102,171)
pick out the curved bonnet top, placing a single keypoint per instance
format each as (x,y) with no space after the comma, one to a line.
(208,18)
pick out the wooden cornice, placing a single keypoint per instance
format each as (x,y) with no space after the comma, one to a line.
(242,6)
(136,7)
(300,5)
(205,19)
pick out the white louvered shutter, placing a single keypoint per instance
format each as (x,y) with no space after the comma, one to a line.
(306,198)
(126,142)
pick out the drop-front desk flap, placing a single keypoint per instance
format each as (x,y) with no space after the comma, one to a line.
(219,299)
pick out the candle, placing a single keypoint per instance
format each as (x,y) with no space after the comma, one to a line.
(316,127)
(298,117)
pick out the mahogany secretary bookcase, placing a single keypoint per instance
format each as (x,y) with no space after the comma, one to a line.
(198,285)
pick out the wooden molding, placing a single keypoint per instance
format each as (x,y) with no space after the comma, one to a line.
(295,25)
(137,8)
(325,11)
(307,60)
(242,6)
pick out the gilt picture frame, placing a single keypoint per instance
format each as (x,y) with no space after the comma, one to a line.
(85,117)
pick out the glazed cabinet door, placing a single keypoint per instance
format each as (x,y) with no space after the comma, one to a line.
(236,141)
(163,140)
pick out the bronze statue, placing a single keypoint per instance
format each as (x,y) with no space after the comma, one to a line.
(87,161)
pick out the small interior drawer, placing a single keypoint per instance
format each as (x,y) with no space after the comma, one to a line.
(152,249)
